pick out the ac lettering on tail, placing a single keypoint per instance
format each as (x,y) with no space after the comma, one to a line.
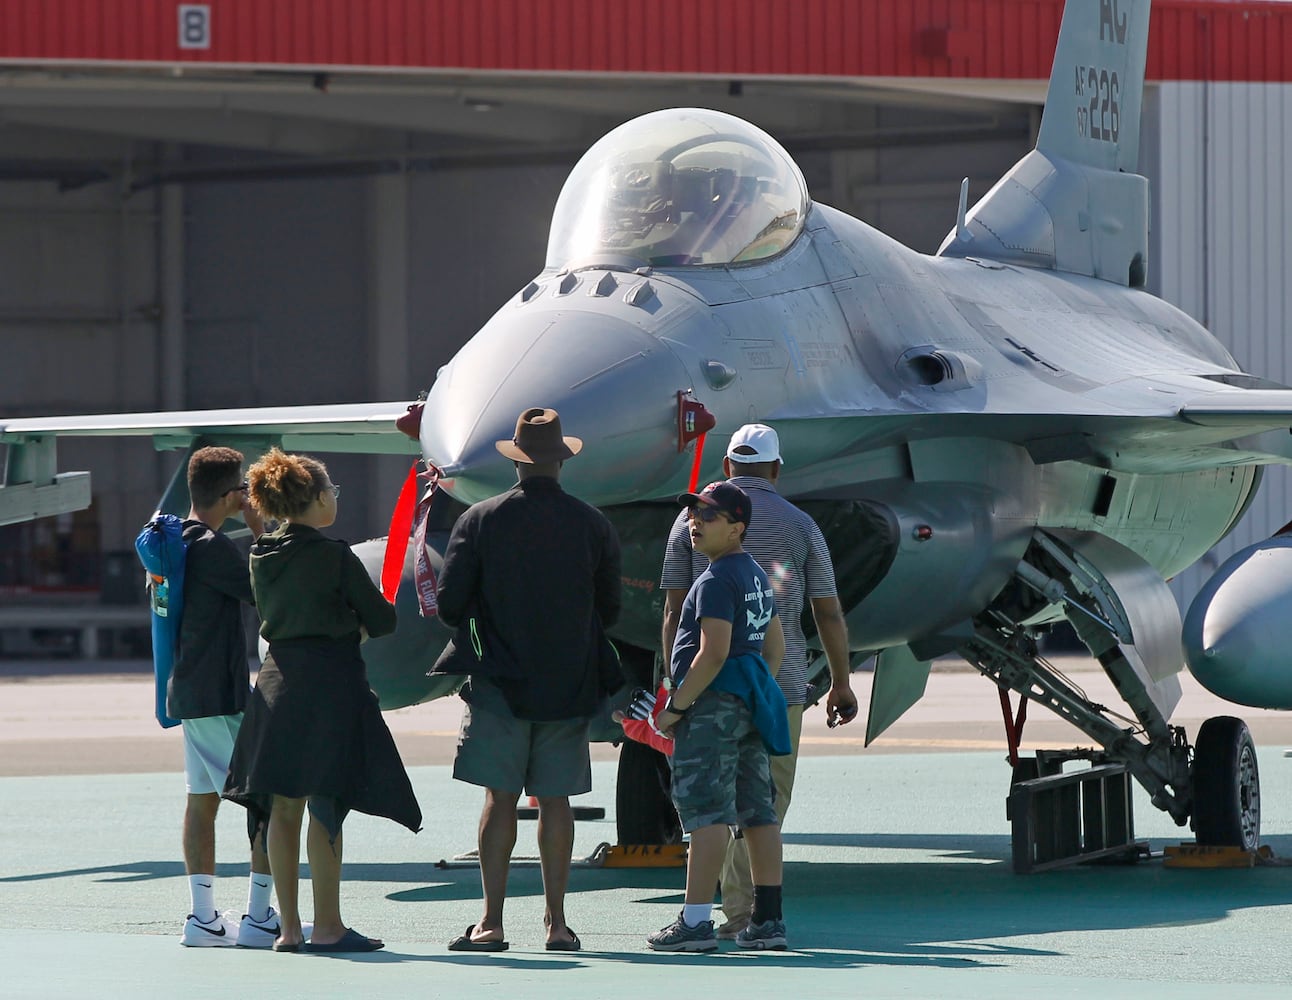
(1113,20)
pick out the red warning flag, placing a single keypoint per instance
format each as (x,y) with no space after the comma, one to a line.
(401,525)
(645,730)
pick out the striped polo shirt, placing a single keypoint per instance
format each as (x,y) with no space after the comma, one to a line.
(789,547)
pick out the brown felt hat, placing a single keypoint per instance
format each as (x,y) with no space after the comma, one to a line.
(538,439)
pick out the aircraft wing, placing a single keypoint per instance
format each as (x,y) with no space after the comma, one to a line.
(347,427)
(1229,427)
(1247,410)
(1130,432)
(33,487)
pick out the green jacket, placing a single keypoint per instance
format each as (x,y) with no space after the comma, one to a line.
(308,586)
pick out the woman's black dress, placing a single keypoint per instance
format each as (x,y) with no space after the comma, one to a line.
(313,729)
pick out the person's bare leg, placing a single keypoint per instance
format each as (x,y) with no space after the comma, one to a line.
(325,876)
(284,864)
(199,833)
(497,839)
(704,862)
(259,855)
(764,853)
(555,847)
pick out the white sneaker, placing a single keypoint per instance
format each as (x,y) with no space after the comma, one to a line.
(219,932)
(263,933)
(259,933)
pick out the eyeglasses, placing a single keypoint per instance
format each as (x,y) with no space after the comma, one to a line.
(707,514)
(336,491)
(241,488)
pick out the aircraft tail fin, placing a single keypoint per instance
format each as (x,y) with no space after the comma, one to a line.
(1092,109)
(1075,203)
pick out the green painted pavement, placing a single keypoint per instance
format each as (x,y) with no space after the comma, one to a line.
(897,885)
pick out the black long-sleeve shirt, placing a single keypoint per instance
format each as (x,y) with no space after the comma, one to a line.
(210,675)
(541,569)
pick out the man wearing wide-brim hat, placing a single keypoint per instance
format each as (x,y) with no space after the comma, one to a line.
(530,581)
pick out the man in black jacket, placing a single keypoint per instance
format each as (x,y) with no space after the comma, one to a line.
(208,691)
(530,580)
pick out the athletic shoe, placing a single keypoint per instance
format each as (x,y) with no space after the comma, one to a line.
(767,936)
(259,933)
(729,930)
(218,932)
(681,936)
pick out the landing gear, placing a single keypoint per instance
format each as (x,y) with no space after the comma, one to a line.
(1125,616)
(644,812)
(1226,785)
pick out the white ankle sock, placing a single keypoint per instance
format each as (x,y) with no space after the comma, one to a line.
(696,913)
(259,889)
(201,889)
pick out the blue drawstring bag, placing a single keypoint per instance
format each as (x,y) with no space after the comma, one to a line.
(162,550)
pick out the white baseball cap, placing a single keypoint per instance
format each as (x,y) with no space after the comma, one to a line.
(765,445)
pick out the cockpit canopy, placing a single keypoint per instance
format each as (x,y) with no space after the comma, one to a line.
(678,188)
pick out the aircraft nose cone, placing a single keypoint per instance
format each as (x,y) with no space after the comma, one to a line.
(1238,629)
(613,385)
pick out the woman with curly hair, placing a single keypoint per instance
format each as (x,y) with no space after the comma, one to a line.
(313,733)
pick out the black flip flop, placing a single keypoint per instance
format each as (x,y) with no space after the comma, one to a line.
(463,942)
(350,941)
(574,944)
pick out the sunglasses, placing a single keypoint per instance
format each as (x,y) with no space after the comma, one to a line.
(708,514)
(241,488)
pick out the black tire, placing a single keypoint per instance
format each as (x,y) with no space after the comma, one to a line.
(1226,785)
(644,812)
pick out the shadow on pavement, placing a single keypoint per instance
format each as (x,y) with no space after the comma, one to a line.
(931,913)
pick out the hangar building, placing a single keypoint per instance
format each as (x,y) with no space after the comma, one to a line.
(267,202)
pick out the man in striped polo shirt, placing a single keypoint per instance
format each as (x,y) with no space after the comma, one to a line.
(790,548)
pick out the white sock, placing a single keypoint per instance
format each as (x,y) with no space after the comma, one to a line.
(259,889)
(696,913)
(201,888)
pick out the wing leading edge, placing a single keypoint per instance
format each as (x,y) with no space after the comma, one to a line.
(356,427)
(1220,431)
(33,487)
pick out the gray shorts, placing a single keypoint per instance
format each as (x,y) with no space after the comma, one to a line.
(498,750)
(721,773)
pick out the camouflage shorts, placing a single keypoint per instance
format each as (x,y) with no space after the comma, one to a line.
(720,768)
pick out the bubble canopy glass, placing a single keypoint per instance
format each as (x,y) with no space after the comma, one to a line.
(678,188)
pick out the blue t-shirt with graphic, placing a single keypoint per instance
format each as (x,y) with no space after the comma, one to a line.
(733,589)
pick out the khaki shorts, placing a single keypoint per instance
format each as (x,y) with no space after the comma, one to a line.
(208,746)
(721,773)
(498,750)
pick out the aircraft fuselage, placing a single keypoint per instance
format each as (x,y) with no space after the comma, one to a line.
(858,350)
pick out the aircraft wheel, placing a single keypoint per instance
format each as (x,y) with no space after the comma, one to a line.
(644,812)
(1226,785)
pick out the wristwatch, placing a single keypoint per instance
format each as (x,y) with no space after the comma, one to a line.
(669,706)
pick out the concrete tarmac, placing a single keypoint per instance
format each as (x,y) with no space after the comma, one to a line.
(898,880)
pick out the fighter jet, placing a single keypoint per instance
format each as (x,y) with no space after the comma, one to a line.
(1004,435)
